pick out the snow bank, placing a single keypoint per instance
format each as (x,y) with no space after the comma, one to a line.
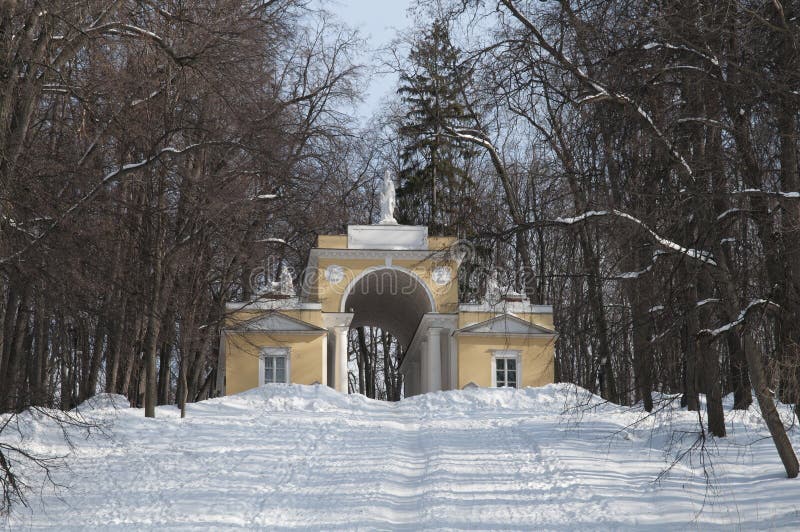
(549,458)
(104,401)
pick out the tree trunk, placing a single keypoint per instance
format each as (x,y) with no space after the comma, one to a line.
(37,374)
(96,359)
(151,341)
(713,388)
(740,381)
(115,347)
(13,385)
(361,361)
(164,383)
(689,346)
(768,411)
(10,318)
(154,313)
(183,390)
(641,349)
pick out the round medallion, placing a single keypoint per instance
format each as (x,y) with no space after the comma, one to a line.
(334,274)
(442,275)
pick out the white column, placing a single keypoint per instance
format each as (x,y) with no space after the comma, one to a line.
(434,360)
(452,353)
(423,367)
(341,357)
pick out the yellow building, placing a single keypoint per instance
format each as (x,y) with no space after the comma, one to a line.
(397,278)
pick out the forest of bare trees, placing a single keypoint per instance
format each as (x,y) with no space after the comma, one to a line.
(644,162)
(633,164)
(142,147)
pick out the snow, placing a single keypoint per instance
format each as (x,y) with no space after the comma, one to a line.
(140,101)
(700,119)
(699,255)
(300,457)
(634,275)
(710,58)
(581,217)
(631,275)
(702,256)
(728,213)
(740,319)
(779,193)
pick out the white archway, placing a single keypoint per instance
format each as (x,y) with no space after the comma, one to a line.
(390,297)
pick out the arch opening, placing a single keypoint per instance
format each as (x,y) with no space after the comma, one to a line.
(389,298)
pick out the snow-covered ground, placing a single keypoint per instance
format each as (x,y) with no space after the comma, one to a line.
(284,457)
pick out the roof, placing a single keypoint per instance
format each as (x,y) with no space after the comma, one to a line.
(276,322)
(518,307)
(506,324)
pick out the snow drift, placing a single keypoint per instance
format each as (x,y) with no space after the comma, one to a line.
(282,457)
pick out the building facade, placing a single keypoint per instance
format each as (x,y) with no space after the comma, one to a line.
(398,278)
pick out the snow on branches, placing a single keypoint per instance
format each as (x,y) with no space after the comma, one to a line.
(695,254)
(741,318)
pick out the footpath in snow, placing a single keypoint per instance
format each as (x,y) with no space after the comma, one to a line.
(307,457)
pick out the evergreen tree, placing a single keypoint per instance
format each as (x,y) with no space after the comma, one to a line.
(435,188)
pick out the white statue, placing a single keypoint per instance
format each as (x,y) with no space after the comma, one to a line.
(286,283)
(493,295)
(388,201)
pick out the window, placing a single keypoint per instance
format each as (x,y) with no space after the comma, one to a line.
(274,365)
(506,369)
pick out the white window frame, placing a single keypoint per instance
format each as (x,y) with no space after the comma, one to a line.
(513,354)
(274,352)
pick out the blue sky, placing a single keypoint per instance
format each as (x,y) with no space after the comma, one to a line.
(378,21)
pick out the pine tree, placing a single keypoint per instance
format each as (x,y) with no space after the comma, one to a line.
(435,187)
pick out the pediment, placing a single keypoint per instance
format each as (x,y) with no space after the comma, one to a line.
(506,324)
(277,322)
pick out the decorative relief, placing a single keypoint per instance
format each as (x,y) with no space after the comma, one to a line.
(442,275)
(334,274)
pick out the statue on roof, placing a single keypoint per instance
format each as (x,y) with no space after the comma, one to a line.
(493,294)
(286,284)
(388,201)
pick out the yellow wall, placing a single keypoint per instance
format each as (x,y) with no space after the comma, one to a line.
(307,358)
(475,359)
(466,319)
(330,296)
(332,241)
(441,242)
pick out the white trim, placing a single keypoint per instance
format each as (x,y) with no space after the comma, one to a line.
(508,354)
(387,236)
(373,269)
(522,307)
(377,255)
(274,352)
(320,332)
(336,319)
(292,303)
(275,321)
(530,329)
